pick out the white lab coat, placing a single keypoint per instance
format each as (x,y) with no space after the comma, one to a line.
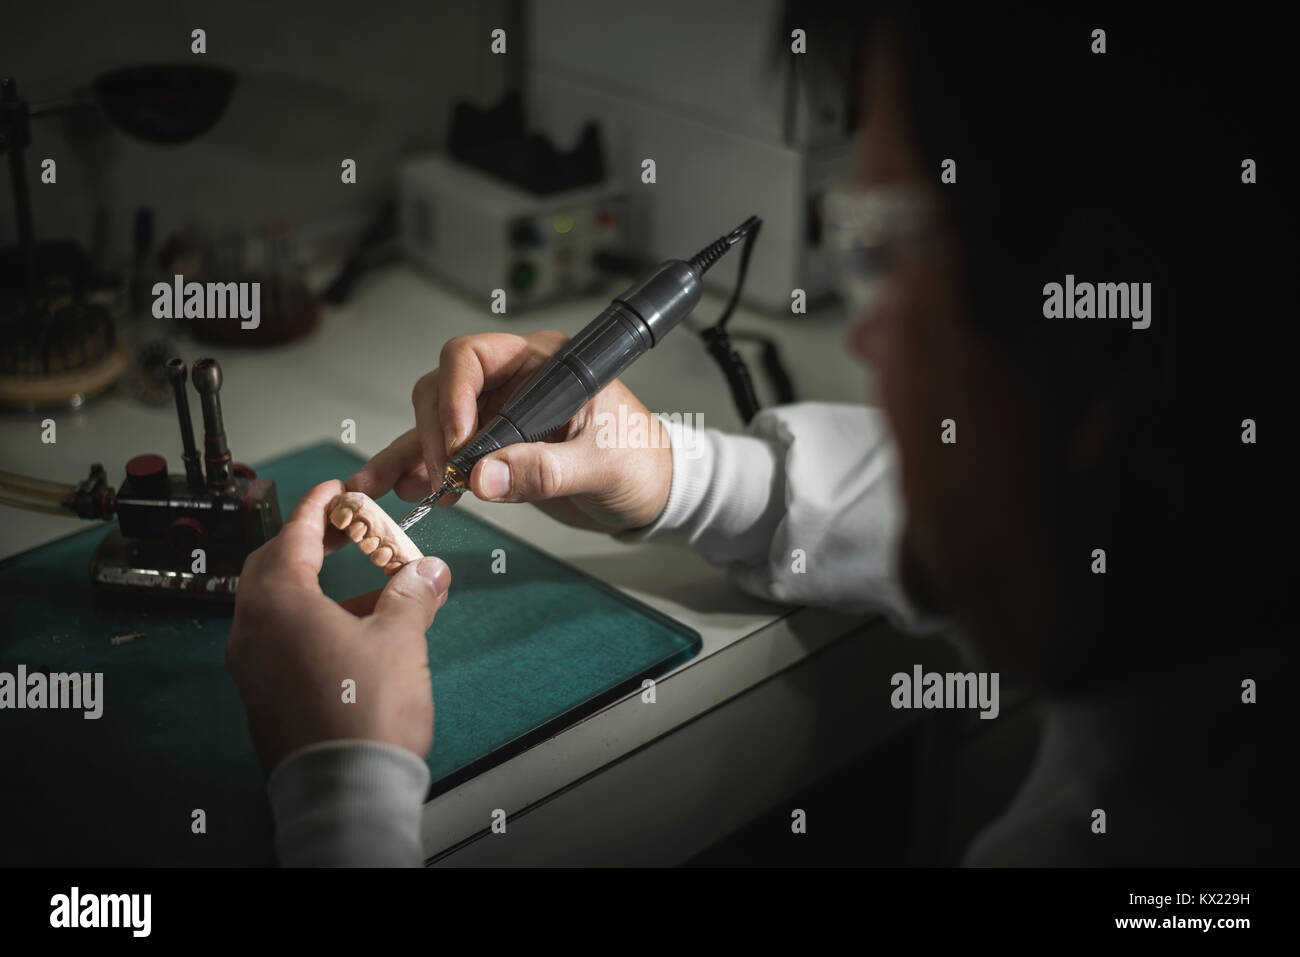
(822,479)
(805,509)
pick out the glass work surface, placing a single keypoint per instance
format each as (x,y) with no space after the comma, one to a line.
(515,657)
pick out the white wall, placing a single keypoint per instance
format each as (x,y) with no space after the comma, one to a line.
(317,82)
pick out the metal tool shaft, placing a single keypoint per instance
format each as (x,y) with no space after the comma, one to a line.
(177,373)
(216,454)
(426,504)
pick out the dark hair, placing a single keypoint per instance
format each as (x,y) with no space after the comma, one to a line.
(1122,166)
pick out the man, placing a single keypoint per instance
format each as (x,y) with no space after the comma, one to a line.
(1028,478)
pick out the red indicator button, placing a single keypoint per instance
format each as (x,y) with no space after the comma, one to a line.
(147,475)
(146,466)
(187,533)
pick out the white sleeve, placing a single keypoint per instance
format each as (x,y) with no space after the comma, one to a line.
(349,803)
(805,509)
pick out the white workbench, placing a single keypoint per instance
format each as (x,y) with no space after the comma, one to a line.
(774,699)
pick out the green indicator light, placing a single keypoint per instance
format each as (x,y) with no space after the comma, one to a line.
(523,276)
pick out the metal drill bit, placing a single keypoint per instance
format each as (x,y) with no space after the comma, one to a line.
(427,503)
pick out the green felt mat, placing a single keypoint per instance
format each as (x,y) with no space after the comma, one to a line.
(514,656)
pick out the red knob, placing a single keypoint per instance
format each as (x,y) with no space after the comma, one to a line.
(148,475)
(186,533)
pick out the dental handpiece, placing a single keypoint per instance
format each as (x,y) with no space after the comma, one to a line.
(631,325)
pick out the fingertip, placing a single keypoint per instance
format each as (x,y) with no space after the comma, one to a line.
(415,593)
(413,488)
(361,481)
(456,429)
(327,490)
(334,539)
(491,479)
(316,500)
(434,570)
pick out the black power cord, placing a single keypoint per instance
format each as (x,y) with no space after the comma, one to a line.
(716,338)
(782,384)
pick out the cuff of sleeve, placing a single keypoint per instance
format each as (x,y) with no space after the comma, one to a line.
(353,803)
(693,463)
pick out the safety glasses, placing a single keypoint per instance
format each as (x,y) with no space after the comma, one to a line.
(865,231)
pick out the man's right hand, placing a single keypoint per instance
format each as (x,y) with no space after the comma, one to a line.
(583,474)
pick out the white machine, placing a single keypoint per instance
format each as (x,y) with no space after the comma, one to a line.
(481,234)
(723,109)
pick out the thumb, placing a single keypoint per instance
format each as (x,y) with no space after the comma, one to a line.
(412,596)
(534,471)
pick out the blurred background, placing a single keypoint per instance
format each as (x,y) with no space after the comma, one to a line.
(383,170)
(309,89)
(523,171)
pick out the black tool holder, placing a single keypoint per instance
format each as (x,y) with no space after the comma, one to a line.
(186,535)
